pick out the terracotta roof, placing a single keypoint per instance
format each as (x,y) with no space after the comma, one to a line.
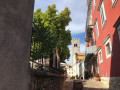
(80,53)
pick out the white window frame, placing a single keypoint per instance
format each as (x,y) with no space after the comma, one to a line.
(94,5)
(100,60)
(97,29)
(102,15)
(114,3)
(106,41)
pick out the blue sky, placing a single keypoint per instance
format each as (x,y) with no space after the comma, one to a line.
(78,10)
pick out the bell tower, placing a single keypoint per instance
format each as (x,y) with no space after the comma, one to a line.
(75,49)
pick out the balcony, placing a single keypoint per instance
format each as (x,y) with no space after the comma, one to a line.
(91,49)
(88,32)
(90,54)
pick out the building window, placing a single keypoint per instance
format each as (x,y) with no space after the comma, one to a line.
(97,30)
(100,56)
(93,5)
(114,3)
(118,29)
(117,26)
(108,51)
(75,45)
(102,15)
(107,44)
(93,38)
(90,43)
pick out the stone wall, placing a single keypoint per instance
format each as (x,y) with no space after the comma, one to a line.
(114,83)
(46,81)
(15,37)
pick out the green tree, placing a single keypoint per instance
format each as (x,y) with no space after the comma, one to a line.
(49,33)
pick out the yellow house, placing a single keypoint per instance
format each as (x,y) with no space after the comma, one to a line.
(80,56)
(80,65)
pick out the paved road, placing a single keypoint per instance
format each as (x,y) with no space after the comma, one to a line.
(68,85)
(87,85)
(72,85)
(93,85)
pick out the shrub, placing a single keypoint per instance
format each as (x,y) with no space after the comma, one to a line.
(73,77)
(97,75)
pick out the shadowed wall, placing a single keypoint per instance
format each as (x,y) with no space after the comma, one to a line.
(15,37)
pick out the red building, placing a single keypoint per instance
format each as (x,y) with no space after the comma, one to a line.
(102,38)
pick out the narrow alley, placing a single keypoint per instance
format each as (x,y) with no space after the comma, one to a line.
(59,44)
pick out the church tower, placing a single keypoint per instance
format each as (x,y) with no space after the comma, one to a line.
(75,49)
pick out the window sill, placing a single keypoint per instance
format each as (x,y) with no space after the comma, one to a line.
(114,3)
(108,56)
(100,61)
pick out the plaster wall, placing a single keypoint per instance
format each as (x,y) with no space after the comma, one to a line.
(110,66)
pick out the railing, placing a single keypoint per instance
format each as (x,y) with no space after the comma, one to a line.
(40,67)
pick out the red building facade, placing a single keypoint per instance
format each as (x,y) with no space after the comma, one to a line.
(103,32)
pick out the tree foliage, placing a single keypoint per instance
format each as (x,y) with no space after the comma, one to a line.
(49,32)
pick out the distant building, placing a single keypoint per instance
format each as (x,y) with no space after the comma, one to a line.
(68,68)
(69,72)
(80,65)
(34,64)
(75,50)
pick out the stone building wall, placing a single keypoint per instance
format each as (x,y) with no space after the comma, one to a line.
(75,49)
(47,81)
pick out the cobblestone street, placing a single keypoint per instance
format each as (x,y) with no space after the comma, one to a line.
(68,85)
(87,85)
(93,85)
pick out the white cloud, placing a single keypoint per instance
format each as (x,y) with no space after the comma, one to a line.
(76,28)
(70,59)
(82,48)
